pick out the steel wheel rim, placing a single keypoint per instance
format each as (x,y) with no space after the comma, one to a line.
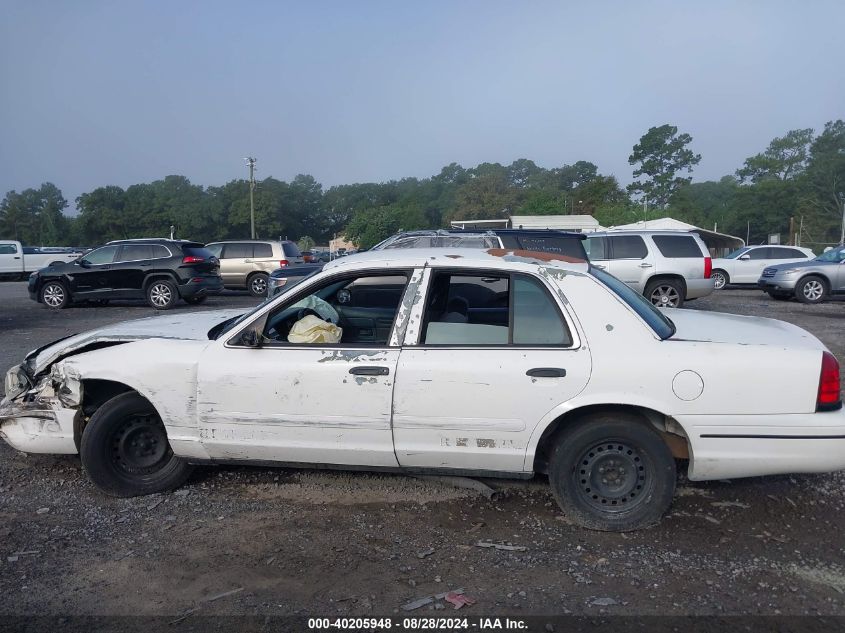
(665,297)
(813,290)
(139,445)
(719,279)
(54,295)
(160,295)
(613,476)
(259,285)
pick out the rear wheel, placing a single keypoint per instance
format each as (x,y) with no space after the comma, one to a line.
(665,293)
(720,278)
(612,472)
(125,450)
(55,295)
(162,294)
(811,290)
(257,284)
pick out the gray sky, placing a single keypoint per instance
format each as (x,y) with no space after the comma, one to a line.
(99,93)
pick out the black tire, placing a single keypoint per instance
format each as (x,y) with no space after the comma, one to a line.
(256,283)
(195,301)
(665,293)
(55,295)
(811,290)
(162,294)
(612,472)
(125,451)
(779,296)
(721,278)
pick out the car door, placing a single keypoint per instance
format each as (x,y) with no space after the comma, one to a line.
(321,402)
(749,266)
(92,278)
(130,266)
(11,260)
(630,260)
(487,354)
(233,263)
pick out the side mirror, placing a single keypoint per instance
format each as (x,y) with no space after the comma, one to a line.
(250,338)
(84,263)
(745,257)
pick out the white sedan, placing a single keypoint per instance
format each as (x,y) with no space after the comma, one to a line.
(496,363)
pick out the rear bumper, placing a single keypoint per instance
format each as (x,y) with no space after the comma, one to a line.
(724,447)
(699,287)
(201,286)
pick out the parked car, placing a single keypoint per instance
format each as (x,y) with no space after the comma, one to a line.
(550,241)
(443,360)
(19,261)
(745,265)
(248,263)
(810,281)
(159,270)
(309,257)
(667,267)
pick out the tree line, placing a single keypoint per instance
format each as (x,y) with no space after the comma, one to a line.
(800,175)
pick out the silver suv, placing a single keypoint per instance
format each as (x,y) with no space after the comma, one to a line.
(667,267)
(809,281)
(248,263)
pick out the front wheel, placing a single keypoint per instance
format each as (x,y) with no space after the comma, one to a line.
(665,293)
(55,295)
(162,294)
(125,450)
(811,290)
(612,472)
(720,279)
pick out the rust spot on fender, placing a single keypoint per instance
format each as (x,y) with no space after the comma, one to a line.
(485,443)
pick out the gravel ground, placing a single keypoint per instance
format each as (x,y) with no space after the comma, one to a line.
(279,542)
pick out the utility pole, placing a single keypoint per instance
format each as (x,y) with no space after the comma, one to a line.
(842,234)
(791,241)
(251,162)
(748,233)
(800,232)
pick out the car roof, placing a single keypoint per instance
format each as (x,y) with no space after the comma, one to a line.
(645,232)
(459,257)
(489,231)
(255,241)
(152,240)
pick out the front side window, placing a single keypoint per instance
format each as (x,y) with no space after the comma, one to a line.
(356,310)
(103,255)
(759,253)
(628,247)
(736,253)
(496,309)
(237,251)
(8,249)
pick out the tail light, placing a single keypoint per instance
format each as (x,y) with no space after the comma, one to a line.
(829,398)
(708,267)
(283,263)
(192,259)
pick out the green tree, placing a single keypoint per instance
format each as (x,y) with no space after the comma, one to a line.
(785,158)
(35,216)
(661,154)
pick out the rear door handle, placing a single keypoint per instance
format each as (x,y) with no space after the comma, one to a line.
(546,372)
(370,371)
(644,265)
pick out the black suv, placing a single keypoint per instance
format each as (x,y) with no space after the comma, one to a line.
(158,270)
(566,243)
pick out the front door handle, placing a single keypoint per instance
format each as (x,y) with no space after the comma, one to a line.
(546,372)
(644,265)
(368,370)
(602,266)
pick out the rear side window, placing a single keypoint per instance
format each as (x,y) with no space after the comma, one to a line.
(215,249)
(536,320)
(779,252)
(237,250)
(677,245)
(134,252)
(291,250)
(8,249)
(104,255)
(628,247)
(159,251)
(262,250)
(569,246)
(197,251)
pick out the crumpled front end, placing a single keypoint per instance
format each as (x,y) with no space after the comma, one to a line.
(40,418)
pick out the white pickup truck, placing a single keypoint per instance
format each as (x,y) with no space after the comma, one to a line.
(18,260)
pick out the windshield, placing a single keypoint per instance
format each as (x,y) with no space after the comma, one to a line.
(657,321)
(736,253)
(833,255)
(221,328)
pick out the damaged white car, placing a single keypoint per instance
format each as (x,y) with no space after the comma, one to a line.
(487,363)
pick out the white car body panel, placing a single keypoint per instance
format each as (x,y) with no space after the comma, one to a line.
(468,409)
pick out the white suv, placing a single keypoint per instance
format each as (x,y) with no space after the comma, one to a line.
(668,267)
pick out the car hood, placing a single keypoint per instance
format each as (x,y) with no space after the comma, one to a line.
(806,264)
(188,325)
(718,327)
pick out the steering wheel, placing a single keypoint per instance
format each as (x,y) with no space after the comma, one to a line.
(304,312)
